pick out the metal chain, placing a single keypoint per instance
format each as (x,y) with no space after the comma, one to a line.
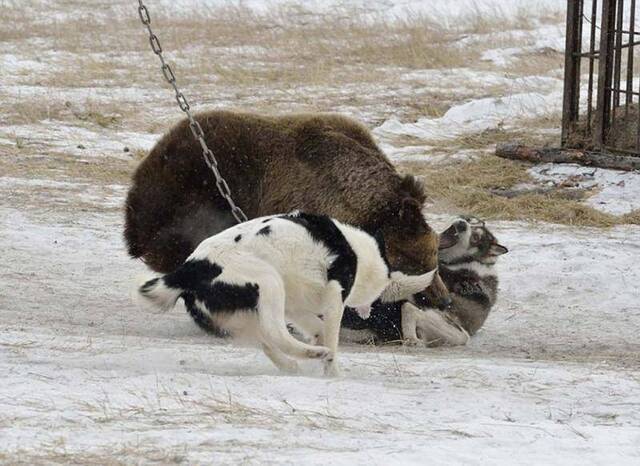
(195,127)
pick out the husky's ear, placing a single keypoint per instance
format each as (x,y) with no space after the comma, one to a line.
(497,250)
(411,218)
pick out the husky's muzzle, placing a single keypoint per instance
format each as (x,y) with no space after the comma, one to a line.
(451,235)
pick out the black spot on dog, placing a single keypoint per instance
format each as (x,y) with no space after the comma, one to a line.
(266,220)
(200,318)
(195,279)
(237,238)
(385,320)
(323,230)
(230,297)
(265,231)
(193,275)
(382,247)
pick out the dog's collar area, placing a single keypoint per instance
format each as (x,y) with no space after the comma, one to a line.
(460,260)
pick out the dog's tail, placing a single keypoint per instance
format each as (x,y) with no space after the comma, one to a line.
(159,294)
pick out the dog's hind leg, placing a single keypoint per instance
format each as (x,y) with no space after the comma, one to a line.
(273,327)
(282,361)
(333,310)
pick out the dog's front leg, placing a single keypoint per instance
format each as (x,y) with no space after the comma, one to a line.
(409,317)
(334,308)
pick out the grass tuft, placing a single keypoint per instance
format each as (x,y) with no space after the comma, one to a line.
(468,187)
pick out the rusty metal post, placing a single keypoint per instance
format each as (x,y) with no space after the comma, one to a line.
(605,73)
(617,59)
(632,33)
(571,69)
(592,59)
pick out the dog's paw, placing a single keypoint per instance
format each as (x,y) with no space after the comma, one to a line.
(331,368)
(363,311)
(319,352)
(413,342)
(290,367)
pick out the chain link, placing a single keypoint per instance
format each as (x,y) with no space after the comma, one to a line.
(194,126)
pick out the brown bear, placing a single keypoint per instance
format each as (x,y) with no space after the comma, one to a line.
(318,163)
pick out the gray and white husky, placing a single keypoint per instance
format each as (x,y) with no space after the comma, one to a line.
(250,280)
(467,268)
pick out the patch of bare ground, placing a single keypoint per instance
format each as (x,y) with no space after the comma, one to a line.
(536,134)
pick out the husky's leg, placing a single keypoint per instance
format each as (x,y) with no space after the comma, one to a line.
(273,326)
(409,317)
(333,310)
(282,362)
(435,330)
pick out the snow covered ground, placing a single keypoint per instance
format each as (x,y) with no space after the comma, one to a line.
(91,378)
(553,378)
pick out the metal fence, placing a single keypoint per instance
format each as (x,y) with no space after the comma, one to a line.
(601,96)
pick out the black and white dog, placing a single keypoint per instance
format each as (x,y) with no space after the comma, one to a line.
(250,280)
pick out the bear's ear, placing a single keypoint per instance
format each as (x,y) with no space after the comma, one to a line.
(411,219)
(497,250)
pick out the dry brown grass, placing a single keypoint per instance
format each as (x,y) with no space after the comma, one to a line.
(29,111)
(114,455)
(491,137)
(468,188)
(291,59)
(64,167)
(285,44)
(483,22)
(539,63)
(632,217)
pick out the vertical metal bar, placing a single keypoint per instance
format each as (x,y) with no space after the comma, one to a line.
(617,61)
(592,50)
(571,69)
(638,111)
(632,30)
(638,135)
(578,65)
(605,68)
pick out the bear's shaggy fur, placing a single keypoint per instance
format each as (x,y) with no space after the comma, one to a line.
(320,163)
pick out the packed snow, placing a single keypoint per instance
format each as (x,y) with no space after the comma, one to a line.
(442,10)
(615,192)
(476,115)
(552,378)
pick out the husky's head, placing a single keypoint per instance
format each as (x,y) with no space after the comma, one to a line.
(469,240)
